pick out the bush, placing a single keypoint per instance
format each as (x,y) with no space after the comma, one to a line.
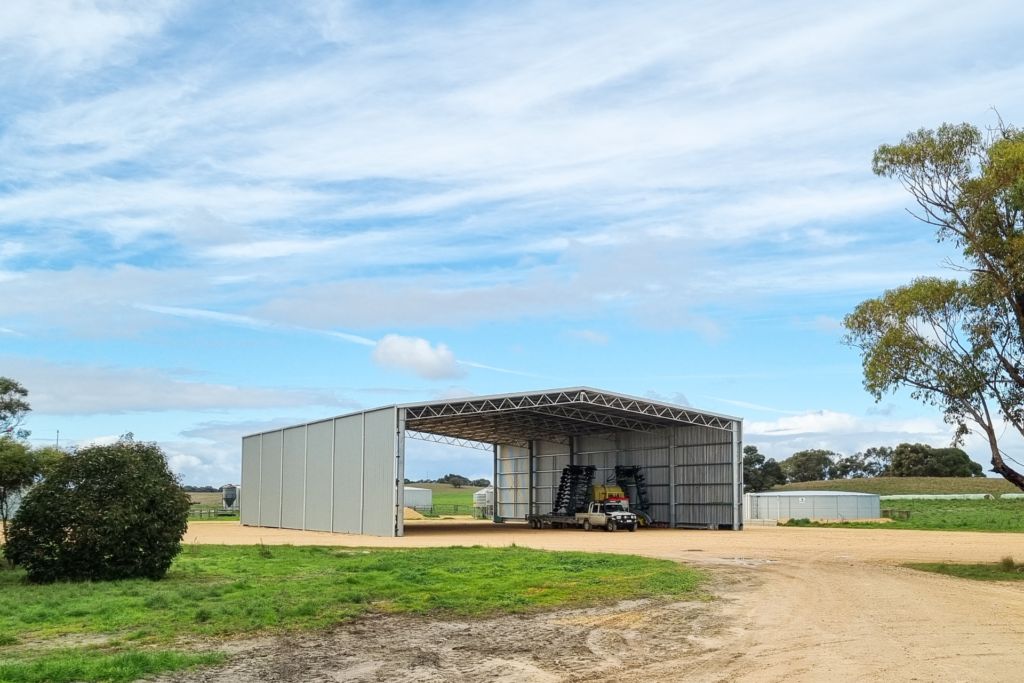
(104,513)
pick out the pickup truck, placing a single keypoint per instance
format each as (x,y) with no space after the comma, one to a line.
(607,515)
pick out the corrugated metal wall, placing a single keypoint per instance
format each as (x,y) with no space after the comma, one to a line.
(319,470)
(513,483)
(379,460)
(348,474)
(693,473)
(270,480)
(548,461)
(705,486)
(250,511)
(293,478)
(335,475)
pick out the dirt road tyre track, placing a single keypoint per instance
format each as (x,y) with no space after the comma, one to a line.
(803,605)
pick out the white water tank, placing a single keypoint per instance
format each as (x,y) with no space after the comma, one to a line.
(822,505)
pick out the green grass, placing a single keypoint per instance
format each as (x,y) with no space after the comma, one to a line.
(446,494)
(1006,570)
(226,591)
(946,515)
(64,666)
(894,486)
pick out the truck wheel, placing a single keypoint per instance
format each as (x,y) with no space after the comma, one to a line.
(611,526)
(586,525)
(632,527)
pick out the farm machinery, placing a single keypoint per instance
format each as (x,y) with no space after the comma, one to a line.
(581,503)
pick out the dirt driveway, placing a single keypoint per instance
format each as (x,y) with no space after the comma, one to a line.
(793,604)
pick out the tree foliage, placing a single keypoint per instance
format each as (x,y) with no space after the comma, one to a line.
(456,480)
(873,462)
(19,467)
(921,460)
(13,408)
(810,465)
(103,513)
(957,344)
(760,473)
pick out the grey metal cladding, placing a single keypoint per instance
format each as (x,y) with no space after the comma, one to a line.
(270,480)
(348,474)
(319,466)
(512,485)
(293,477)
(251,480)
(549,459)
(379,462)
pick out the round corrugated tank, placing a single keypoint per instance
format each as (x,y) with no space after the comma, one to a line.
(822,505)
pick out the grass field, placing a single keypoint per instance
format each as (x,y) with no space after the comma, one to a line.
(948,515)
(1008,570)
(446,494)
(892,486)
(225,591)
(207,499)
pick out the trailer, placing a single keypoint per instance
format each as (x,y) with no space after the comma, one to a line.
(606,514)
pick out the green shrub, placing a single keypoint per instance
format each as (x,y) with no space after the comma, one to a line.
(1007,564)
(105,513)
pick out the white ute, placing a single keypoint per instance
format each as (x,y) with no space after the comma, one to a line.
(608,515)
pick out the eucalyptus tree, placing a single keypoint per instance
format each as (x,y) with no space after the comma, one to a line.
(957,343)
(13,408)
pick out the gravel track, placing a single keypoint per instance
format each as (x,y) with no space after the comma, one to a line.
(792,604)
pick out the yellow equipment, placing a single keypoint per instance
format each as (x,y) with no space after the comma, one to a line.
(599,492)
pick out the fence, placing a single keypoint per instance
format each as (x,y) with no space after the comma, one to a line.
(212,513)
(442,509)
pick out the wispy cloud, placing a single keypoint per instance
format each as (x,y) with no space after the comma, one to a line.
(249,321)
(94,389)
(471,364)
(754,406)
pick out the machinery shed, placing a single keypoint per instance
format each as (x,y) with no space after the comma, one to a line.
(344,474)
(416,497)
(831,505)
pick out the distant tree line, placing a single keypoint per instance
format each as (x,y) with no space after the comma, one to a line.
(906,460)
(202,489)
(456,480)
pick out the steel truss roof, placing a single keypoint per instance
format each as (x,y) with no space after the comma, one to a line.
(556,415)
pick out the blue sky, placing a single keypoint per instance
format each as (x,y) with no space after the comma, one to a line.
(220,217)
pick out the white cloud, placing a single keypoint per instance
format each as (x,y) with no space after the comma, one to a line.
(416,355)
(92,389)
(754,406)
(71,34)
(828,421)
(841,432)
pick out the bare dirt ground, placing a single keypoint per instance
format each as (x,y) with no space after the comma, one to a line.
(790,604)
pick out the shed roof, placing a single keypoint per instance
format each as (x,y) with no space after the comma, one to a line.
(551,415)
